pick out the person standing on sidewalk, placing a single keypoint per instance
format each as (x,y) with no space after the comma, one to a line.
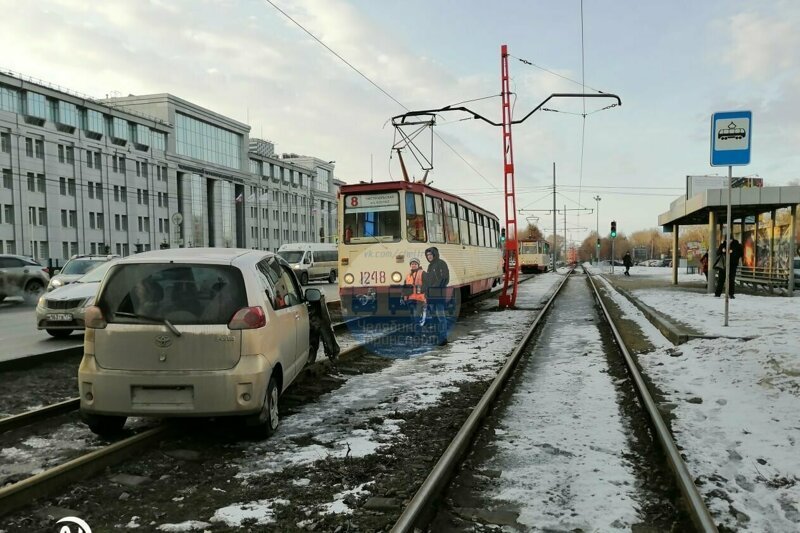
(628,262)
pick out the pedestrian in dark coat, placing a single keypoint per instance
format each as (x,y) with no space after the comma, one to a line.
(719,266)
(436,280)
(628,262)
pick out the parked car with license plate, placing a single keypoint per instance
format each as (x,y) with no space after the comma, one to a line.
(61,311)
(21,276)
(193,332)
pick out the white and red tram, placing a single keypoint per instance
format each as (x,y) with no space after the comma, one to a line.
(384,225)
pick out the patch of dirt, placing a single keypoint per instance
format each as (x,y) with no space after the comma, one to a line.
(39,385)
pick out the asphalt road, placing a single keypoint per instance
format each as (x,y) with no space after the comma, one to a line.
(19,337)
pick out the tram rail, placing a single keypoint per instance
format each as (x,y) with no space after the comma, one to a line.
(421,508)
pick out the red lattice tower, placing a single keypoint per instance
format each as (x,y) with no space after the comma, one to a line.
(510,256)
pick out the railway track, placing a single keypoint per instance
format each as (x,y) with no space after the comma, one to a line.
(470,485)
(54,479)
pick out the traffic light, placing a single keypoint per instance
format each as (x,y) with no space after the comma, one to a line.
(502,238)
(613,229)
(598,243)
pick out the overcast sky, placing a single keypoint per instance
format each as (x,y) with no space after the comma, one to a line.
(672,63)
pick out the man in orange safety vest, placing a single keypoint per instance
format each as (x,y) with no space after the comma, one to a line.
(415,292)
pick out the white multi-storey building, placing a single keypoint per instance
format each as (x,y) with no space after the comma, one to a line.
(123,175)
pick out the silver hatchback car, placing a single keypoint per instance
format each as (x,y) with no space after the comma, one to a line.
(193,332)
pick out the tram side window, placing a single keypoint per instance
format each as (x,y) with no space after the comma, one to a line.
(492,236)
(473,228)
(464,223)
(435,216)
(415,218)
(497,233)
(481,236)
(451,223)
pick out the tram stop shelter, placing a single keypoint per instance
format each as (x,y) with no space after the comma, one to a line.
(710,207)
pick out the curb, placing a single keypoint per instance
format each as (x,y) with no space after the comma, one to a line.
(667,328)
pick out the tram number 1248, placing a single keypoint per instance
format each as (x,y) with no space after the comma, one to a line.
(373,277)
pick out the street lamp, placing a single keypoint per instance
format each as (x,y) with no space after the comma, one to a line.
(597,252)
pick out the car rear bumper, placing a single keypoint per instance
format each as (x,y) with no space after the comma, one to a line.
(236,391)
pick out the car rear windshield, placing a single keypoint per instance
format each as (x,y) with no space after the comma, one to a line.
(180,293)
(291,257)
(81,266)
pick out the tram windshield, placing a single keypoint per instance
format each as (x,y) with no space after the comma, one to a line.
(371,217)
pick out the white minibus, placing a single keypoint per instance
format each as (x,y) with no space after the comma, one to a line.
(312,260)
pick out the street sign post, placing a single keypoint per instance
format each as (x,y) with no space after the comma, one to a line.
(731,139)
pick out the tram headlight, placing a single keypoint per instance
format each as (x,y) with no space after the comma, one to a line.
(349,278)
(397,277)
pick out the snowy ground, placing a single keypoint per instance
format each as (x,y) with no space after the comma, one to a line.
(735,402)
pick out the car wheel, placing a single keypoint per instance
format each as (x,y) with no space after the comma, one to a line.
(332,277)
(104,425)
(304,278)
(59,333)
(265,423)
(32,291)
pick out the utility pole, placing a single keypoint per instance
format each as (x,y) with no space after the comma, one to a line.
(565,233)
(555,249)
(597,247)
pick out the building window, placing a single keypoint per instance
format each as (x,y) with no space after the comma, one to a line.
(100,221)
(116,222)
(116,194)
(142,135)
(114,165)
(35,105)
(98,190)
(9,99)
(42,216)
(124,222)
(61,158)
(71,186)
(7,179)
(67,114)
(64,250)
(119,129)
(28,146)
(201,140)
(8,211)
(89,161)
(62,186)
(93,122)
(40,183)
(64,219)
(70,155)
(159,140)
(144,169)
(5,142)
(31,182)
(91,190)
(39,149)
(97,160)
(91,221)
(73,219)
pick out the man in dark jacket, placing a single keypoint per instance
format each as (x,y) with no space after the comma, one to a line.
(628,262)
(436,281)
(719,266)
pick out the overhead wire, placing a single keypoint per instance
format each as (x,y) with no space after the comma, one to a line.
(270,2)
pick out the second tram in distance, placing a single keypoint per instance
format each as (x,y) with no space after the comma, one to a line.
(534,256)
(384,225)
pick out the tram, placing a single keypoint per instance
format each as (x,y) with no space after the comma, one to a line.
(534,256)
(383,226)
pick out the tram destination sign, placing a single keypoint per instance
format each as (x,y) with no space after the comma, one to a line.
(359,203)
(731,138)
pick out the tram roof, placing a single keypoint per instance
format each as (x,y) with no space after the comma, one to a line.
(744,202)
(414,187)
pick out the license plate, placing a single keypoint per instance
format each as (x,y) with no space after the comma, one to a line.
(59,317)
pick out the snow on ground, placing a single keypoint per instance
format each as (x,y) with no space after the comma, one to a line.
(736,402)
(405,386)
(549,450)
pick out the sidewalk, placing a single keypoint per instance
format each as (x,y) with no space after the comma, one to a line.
(732,393)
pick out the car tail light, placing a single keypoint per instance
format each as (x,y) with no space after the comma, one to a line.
(93,318)
(248,318)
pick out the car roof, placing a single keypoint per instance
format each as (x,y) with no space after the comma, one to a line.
(198,255)
(23,257)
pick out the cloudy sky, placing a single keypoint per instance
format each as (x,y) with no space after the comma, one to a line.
(672,63)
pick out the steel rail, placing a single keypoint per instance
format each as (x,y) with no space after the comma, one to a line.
(45,483)
(699,513)
(448,462)
(29,417)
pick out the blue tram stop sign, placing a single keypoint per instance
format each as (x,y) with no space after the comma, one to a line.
(731,138)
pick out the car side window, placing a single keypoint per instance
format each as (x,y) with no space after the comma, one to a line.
(293,293)
(266,276)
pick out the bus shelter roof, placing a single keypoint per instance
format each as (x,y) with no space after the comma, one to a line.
(744,202)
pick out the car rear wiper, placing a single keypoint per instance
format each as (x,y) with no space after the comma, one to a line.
(164,321)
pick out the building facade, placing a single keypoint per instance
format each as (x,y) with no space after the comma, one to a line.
(125,175)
